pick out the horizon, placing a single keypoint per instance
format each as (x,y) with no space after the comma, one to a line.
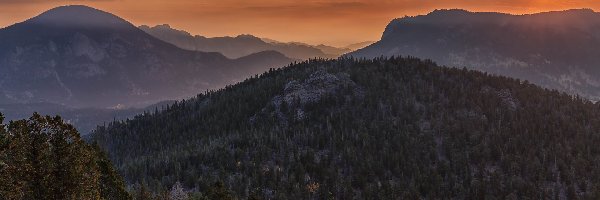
(333,23)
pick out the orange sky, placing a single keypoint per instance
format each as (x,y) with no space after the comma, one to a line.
(334,22)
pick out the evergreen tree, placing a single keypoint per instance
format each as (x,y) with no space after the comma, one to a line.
(384,128)
(177,192)
(45,158)
(218,191)
(143,193)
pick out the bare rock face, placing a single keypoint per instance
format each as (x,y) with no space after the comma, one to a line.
(316,86)
(296,95)
(84,46)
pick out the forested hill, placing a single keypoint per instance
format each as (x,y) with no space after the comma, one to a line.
(397,128)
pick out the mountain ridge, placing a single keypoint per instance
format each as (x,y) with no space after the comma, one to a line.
(553,49)
(87,51)
(241,45)
(77,61)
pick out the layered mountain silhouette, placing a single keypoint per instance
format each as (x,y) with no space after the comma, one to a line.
(558,50)
(83,57)
(242,45)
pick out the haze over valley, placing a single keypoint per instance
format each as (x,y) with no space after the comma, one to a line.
(243,45)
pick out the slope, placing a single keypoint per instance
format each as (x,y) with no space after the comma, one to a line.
(557,50)
(83,57)
(397,128)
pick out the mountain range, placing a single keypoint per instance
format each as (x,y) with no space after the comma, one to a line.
(92,67)
(242,45)
(82,57)
(557,50)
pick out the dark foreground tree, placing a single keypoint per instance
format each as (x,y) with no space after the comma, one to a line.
(45,158)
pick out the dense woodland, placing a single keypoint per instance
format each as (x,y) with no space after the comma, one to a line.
(387,128)
(45,158)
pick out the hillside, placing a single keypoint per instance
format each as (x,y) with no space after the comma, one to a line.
(557,50)
(82,57)
(397,128)
(242,45)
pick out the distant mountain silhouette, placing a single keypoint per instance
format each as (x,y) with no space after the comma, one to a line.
(332,50)
(360,45)
(559,50)
(242,45)
(79,56)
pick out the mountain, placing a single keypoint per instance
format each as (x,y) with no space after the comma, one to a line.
(360,45)
(242,45)
(385,128)
(333,50)
(558,50)
(82,57)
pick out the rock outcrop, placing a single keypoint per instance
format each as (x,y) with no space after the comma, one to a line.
(297,94)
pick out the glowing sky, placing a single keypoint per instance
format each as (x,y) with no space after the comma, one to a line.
(334,22)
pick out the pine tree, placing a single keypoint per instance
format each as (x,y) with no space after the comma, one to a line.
(402,128)
(143,193)
(218,191)
(45,158)
(113,183)
(5,180)
(177,192)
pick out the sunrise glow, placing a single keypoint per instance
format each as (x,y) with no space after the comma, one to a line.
(336,22)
